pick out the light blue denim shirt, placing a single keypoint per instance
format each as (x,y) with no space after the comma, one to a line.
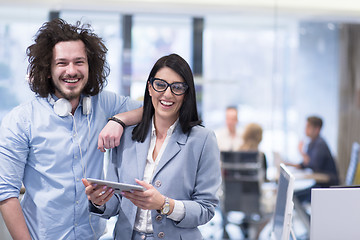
(50,155)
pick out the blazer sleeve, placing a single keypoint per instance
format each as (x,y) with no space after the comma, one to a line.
(201,208)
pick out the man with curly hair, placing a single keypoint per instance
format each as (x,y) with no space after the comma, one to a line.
(50,143)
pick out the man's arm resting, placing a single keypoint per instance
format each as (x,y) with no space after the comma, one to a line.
(131,117)
(14,219)
(110,135)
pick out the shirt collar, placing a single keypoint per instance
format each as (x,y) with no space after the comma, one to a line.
(169,131)
(52,98)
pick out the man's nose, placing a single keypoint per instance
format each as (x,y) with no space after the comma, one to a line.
(71,69)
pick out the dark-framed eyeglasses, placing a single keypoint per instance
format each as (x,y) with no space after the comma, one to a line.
(160,85)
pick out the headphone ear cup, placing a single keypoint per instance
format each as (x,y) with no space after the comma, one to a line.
(62,107)
(86,105)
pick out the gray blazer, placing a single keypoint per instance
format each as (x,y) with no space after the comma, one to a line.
(189,170)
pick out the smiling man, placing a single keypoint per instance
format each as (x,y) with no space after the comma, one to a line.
(69,70)
(50,143)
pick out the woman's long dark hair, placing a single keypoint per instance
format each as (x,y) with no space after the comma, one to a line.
(41,52)
(188,115)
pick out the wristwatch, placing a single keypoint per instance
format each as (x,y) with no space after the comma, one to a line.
(166,207)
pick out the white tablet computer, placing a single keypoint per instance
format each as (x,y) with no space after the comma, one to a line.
(118,187)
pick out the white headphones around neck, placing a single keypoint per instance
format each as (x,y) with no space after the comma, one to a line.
(62,107)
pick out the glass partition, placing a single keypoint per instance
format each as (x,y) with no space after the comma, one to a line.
(17,28)
(276,72)
(276,75)
(154,36)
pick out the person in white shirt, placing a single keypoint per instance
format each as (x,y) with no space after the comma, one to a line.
(176,158)
(229,138)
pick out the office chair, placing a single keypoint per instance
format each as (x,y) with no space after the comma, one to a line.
(243,174)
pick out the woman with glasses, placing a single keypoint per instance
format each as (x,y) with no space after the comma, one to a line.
(171,155)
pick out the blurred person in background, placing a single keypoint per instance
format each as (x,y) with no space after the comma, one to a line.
(229,138)
(316,155)
(251,138)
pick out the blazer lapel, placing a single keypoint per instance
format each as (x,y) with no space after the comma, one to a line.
(142,150)
(173,147)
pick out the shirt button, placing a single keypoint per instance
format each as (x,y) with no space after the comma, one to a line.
(76,224)
(158,183)
(161,235)
(77,202)
(78,179)
(158,218)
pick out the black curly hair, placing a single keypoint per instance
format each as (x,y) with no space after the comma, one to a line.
(41,52)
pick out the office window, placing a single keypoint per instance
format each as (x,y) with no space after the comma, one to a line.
(275,75)
(17,28)
(153,37)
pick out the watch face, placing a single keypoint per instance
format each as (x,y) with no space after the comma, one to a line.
(166,209)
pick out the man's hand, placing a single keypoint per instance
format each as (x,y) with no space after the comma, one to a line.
(306,159)
(110,135)
(301,147)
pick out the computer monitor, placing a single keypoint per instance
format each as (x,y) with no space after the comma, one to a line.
(351,174)
(281,227)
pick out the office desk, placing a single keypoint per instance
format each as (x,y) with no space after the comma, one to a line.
(307,173)
(335,214)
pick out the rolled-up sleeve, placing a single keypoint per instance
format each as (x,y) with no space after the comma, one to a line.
(14,149)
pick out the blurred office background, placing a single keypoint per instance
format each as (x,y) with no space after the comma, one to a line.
(278,61)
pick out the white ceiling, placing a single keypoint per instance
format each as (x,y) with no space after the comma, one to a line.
(316,8)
